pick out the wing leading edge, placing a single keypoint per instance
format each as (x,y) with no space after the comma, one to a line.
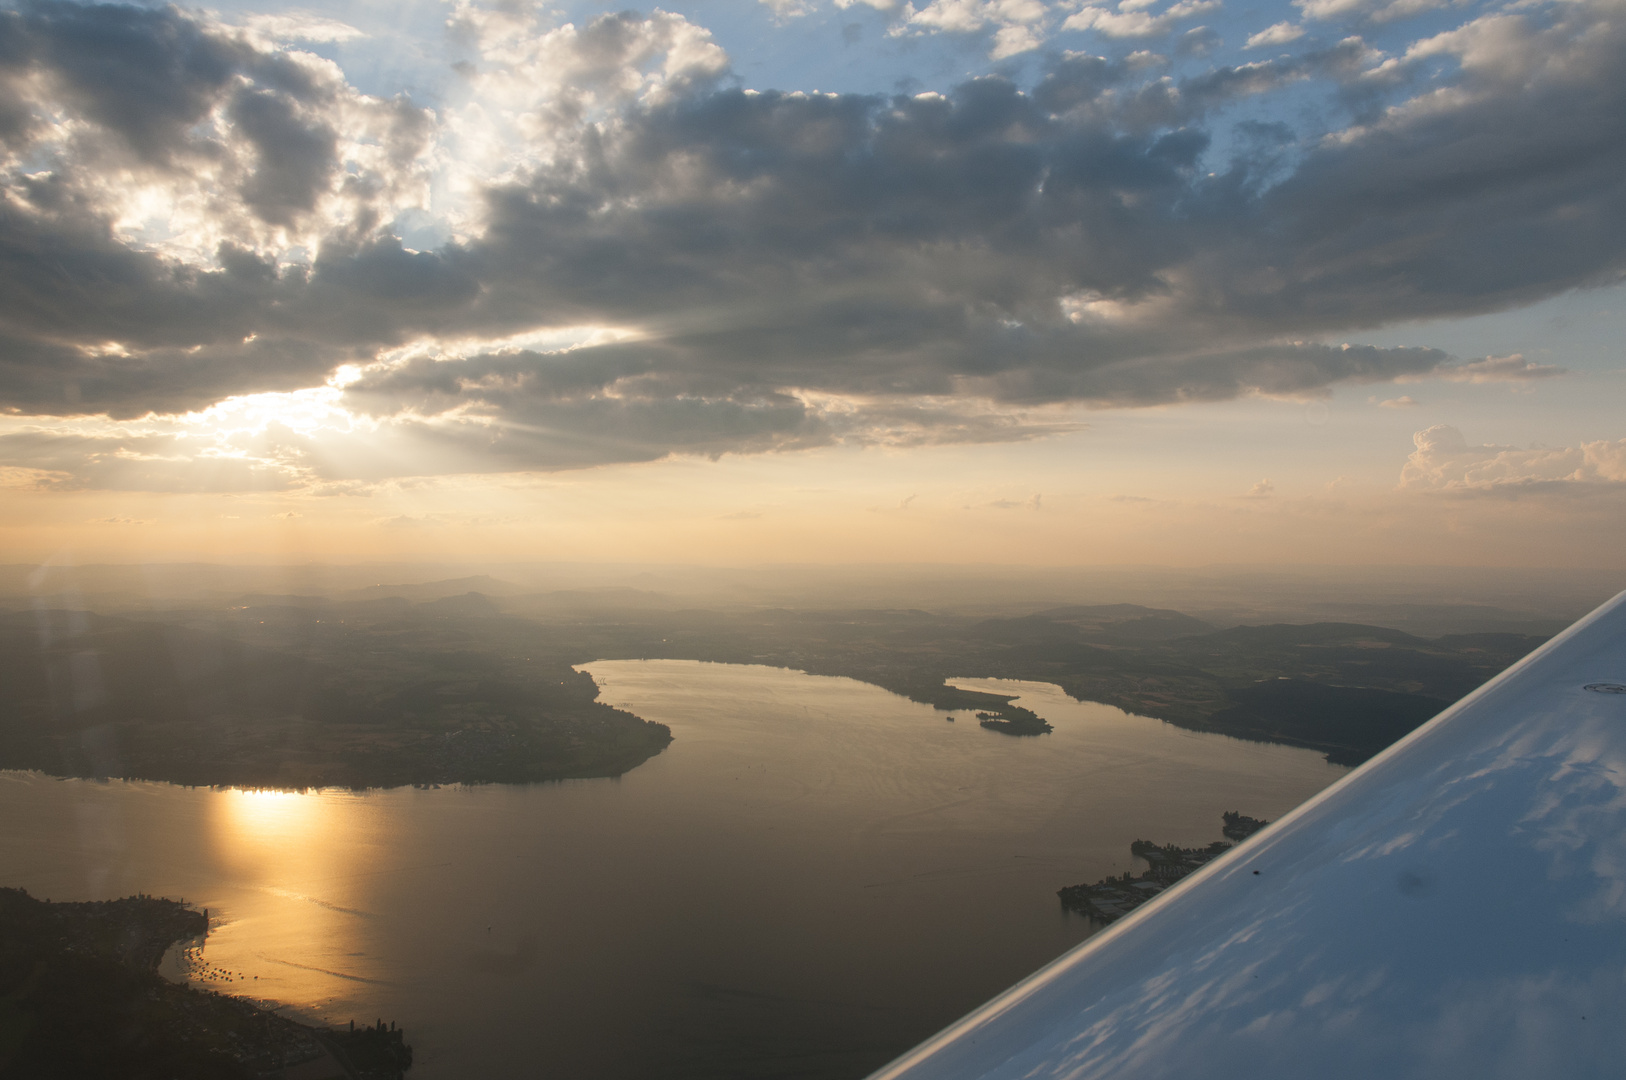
(1454,908)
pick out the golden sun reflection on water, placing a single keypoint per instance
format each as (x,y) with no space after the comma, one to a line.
(253,827)
(291,930)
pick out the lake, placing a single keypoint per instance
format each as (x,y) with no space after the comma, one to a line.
(815,875)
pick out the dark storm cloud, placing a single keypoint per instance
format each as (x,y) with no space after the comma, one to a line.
(294,157)
(146,77)
(1108,92)
(580,432)
(1283,370)
(141,74)
(1080,242)
(915,245)
(515,426)
(1515,194)
(91,322)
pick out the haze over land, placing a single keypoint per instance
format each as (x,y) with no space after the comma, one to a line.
(304,677)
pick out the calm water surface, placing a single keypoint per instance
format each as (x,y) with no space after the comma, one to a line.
(815,875)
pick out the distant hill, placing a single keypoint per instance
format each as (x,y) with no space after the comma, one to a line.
(436,590)
(1348,722)
(1101,624)
(468,605)
(277,600)
(580,602)
(1289,635)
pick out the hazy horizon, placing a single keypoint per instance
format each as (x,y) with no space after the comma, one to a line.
(1424,600)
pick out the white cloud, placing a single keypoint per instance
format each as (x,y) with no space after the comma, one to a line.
(1015,40)
(256,145)
(1405,401)
(1131,20)
(535,89)
(1514,368)
(1376,10)
(1445,461)
(1018,25)
(789,9)
(1279,34)
(300,26)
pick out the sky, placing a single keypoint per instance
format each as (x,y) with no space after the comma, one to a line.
(1053,282)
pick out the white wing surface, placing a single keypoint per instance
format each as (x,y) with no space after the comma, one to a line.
(1454,908)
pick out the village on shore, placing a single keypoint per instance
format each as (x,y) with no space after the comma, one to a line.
(81,996)
(1113,897)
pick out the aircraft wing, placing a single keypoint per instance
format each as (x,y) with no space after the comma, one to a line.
(1456,907)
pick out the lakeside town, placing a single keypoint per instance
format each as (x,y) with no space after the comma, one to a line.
(85,999)
(1114,897)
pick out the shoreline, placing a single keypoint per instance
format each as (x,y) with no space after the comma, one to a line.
(1111,898)
(81,993)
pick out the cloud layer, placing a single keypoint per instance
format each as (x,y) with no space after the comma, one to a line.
(1445,461)
(194,211)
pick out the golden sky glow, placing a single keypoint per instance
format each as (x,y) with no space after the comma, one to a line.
(1260,481)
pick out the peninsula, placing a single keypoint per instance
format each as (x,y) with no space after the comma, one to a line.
(287,695)
(81,998)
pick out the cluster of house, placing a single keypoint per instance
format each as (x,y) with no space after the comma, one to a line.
(1113,897)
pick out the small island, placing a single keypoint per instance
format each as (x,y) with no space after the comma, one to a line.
(1014,720)
(81,997)
(1113,897)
